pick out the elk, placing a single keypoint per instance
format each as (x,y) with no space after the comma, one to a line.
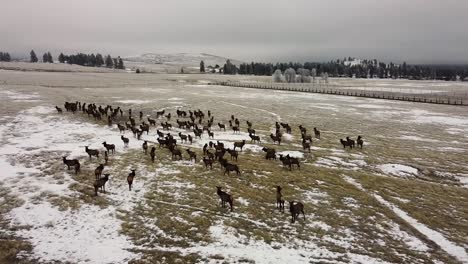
(71,162)
(92,152)
(109,147)
(121,128)
(239,145)
(145,147)
(225,198)
(296,208)
(130,178)
(153,153)
(317,133)
(231,167)
(59,110)
(98,171)
(192,155)
(279,199)
(222,126)
(360,142)
(125,140)
(254,138)
(101,183)
(208,162)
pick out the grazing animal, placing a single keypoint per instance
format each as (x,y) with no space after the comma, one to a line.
(101,183)
(235,129)
(92,152)
(360,142)
(296,208)
(176,152)
(231,167)
(59,110)
(190,139)
(233,153)
(279,199)
(152,121)
(153,153)
(192,155)
(210,134)
(70,163)
(351,142)
(239,145)
(270,153)
(251,131)
(109,147)
(145,147)
(182,137)
(125,140)
(130,178)
(225,198)
(77,168)
(305,145)
(222,126)
(98,171)
(254,138)
(106,157)
(276,138)
(317,133)
(289,161)
(208,162)
(121,128)
(306,137)
(303,129)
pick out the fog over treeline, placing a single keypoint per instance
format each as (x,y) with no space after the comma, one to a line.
(419,31)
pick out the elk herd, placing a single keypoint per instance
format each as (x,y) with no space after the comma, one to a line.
(196,122)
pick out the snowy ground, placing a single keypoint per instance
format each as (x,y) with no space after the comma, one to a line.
(403,198)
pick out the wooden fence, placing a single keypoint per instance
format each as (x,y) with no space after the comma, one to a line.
(425,96)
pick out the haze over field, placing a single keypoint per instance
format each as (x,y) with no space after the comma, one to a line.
(431,31)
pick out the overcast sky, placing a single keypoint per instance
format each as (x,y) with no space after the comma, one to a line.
(418,31)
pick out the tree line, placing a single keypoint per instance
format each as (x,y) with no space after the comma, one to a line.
(89,60)
(5,56)
(363,69)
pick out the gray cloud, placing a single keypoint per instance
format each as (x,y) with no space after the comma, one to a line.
(421,31)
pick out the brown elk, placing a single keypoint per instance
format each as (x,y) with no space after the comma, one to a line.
(225,198)
(130,178)
(296,208)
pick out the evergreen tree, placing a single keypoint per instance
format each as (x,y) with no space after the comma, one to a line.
(109,61)
(61,58)
(49,57)
(34,58)
(202,66)
(121,64)
(45,58)
(99,60)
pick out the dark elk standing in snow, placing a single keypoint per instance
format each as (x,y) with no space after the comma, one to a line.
(145,147)
(98,171)
(360,142)
(192,155)
(239,145)
(59,110)
(106,157)
(110,147)
(74,162)
(317,133)
(125,140)
(231,167)
(296,208)
(92,152)
(101,183)
(270,153)
(279,199)
(225,198)
(130,178)
(153,154)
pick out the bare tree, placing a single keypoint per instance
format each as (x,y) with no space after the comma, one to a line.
(304,75)
(314,74)
(290,75)
(277,76)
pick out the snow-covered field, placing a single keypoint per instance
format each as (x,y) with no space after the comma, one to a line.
(401,199)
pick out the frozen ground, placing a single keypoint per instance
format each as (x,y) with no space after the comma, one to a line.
(403,198)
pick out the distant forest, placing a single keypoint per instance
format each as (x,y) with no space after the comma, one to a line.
(350,67)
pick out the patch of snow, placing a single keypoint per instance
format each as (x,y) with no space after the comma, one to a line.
(294,154)
(398,170)
(133,101)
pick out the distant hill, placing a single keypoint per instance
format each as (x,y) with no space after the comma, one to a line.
(182,59)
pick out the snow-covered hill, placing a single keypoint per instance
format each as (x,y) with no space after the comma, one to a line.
(183,59)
